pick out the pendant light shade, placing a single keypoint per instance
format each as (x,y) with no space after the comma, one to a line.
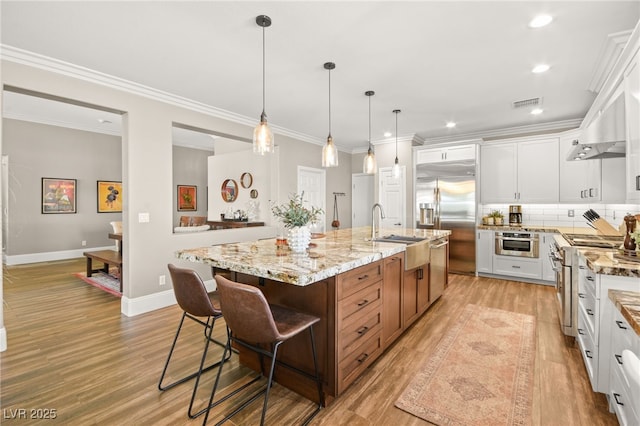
(329,151)
(396,166)
(369,163)
(262,134)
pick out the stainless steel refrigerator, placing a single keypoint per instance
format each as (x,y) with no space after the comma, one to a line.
(449,188)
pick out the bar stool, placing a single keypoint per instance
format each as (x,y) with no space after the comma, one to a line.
(251,321)
(196,303)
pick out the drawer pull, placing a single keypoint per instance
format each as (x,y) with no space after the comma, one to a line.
(581,332)
(589,311)
(618,358)
(589,278)
(363,330)
(581,295)
(363,277)
(515,266)
(362,358)
(620,325)
(588,353)
(364,302)
(616,396)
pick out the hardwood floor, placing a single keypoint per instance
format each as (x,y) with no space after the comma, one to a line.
(70,350)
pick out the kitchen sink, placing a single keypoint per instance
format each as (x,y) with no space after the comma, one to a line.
(415,254)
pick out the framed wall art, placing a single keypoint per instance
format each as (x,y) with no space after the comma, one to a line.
(109,196)
(59,195)
(187,198)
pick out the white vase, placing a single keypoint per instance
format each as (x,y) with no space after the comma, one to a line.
(299,238)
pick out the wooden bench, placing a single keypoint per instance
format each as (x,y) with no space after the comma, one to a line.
(108,258)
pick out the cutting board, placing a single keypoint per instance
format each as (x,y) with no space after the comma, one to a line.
(605,227)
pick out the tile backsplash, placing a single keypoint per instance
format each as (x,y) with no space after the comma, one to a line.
(558,214)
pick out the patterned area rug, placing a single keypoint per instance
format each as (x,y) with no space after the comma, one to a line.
(106,282)
(481,372)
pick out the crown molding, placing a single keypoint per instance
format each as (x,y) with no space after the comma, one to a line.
(609,55)
(35,60)
(509,132)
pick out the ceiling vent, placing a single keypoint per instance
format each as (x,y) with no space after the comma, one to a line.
(527,103)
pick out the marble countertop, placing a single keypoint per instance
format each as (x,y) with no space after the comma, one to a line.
(628,303)
(540,228)
(338,251)
(604,261)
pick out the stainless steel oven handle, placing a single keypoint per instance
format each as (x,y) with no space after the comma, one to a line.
(516,239)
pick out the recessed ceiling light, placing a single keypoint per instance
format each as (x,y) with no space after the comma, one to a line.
(387,134)
(537,111)
(540,21)
(540,68)
(451,125)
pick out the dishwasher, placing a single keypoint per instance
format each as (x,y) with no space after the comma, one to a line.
(438,268)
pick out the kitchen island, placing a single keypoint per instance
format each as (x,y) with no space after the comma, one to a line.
(359,289)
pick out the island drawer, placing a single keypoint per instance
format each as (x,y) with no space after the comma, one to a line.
(356,279)
(361,328)
(350,368)
(358,303)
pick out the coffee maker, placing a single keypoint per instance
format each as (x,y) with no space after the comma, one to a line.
(515,215)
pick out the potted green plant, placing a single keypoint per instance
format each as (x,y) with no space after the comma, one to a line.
(498,218)
(297,218)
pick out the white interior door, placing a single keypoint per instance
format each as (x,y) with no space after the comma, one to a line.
(392,196)
(362,199)
(313,183)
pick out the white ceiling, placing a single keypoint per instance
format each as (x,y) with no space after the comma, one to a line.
(436,61)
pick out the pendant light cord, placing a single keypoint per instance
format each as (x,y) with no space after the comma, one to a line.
(263,72)
(396,111)
(369,122)
(329,101)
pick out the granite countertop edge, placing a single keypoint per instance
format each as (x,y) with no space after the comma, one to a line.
(628,304)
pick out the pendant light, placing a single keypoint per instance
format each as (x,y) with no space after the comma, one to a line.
(329,151)
(369,164)
(262,134)
(396,166)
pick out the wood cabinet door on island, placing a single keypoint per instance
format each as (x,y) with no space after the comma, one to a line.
(392,299)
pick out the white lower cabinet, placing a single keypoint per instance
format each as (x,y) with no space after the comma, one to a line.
(484,251)
(595,322)
(517,267)
(624,391)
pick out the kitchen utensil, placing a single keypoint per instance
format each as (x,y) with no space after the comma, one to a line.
(601,225)
(335,223)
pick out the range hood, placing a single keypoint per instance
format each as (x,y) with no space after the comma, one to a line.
(604,137)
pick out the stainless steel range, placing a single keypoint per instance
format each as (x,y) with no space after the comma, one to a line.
(563,255)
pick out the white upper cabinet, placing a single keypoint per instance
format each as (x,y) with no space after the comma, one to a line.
(579,180)
(632,107)
(453,153)
(524,171)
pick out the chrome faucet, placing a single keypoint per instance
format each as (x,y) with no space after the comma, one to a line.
(373,219)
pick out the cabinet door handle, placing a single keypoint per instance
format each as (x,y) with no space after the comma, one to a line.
(515,266)
(616,396)
(581,295)
(364,302)
(589,278)
(589,311)
(618,358)
(588,354)
(363,330)
(581,332)
(420,273)
(363,277)
(620,325)
(362,358)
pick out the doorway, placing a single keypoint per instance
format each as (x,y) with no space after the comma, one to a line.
(362,200)
(392,195)
(312,182)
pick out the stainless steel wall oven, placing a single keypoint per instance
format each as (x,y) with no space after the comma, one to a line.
(521,244)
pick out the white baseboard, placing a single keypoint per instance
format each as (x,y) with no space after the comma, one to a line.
(20,259)
(151,302)
(3,339)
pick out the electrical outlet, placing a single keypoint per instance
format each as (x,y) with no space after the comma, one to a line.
(571,213)
(162,280)
(84,243)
